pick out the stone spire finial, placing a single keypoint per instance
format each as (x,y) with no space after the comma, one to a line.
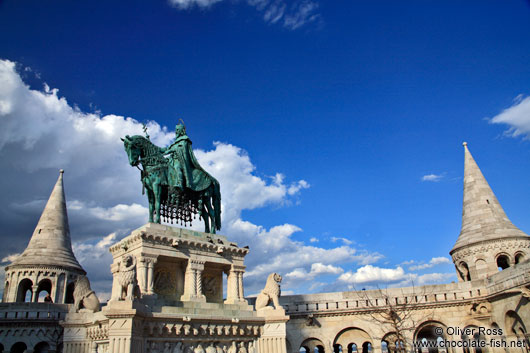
(50,243)
(482,215)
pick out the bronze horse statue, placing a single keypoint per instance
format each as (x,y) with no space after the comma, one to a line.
(172,199)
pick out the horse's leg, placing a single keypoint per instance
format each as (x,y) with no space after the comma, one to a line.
(157,190)
(150,198)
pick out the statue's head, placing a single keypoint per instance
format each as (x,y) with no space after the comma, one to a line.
(180,129)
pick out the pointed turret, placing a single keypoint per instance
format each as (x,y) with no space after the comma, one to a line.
(50,243)
(482,215)
(488,238)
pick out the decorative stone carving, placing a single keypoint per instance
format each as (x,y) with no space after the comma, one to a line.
(271,292)
(199,349)
(178,348)
(84,296)
(211,348)
(127,278)
(210,285)
(242,348)
(167,347)
(233,348)
(153,348)
(165,283)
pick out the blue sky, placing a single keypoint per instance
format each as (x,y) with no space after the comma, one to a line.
(352,102)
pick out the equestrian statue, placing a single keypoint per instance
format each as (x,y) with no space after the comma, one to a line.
(178,188)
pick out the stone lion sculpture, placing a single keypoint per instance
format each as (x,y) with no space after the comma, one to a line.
(127,278)
(84,296)
(271,292)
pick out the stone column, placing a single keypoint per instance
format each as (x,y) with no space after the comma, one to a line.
(53,290)
(142,274)
(116,287)
(235,292)
(193,281)
(34,297)
(241,294)
(231,287)
(151,276)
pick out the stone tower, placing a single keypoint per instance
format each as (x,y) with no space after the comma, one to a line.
(48,264)
(488,241)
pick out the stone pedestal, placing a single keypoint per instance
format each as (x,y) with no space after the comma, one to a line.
(273,337)
(178,300)
(180,265)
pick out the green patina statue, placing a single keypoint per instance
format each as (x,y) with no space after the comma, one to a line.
(177,187)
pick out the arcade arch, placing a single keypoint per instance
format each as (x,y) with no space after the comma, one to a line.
(353,340)
(24,291)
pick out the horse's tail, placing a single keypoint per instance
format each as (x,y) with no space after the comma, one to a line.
(217,204)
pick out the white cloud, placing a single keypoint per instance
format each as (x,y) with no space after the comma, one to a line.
(186,4)
(433,262)
(291,14)
(517,117)
(372,274)
(42,133)
(342,239)
(413,279)
(320,269)
(313,240)
(304,13)
(118,212)
(432,177)
(296,187)
(10,258)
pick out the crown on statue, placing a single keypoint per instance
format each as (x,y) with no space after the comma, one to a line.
(180,128)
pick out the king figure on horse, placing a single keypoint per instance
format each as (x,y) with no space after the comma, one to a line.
(178,188)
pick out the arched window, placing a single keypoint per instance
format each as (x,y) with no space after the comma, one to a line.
(367,347)
(352,348)
(44,289)
(69,299)
(400,346)
(463,271)
(42,347)
(19,347)
(503,262)
(428,334)
(319,349)
(519,257)
(337,348)
(24,291)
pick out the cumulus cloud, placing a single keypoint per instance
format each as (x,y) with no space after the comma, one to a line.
(42,133)
(370,274)
(414,279)
(433,262)
(517,117)
(291,14)
(119,212)
(432,177)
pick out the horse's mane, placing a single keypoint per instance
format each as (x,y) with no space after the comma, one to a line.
(149,147)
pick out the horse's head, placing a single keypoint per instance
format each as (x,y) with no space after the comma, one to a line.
(133,149)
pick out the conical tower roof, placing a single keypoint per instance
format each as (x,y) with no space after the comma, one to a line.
(482,215)
(50,243)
